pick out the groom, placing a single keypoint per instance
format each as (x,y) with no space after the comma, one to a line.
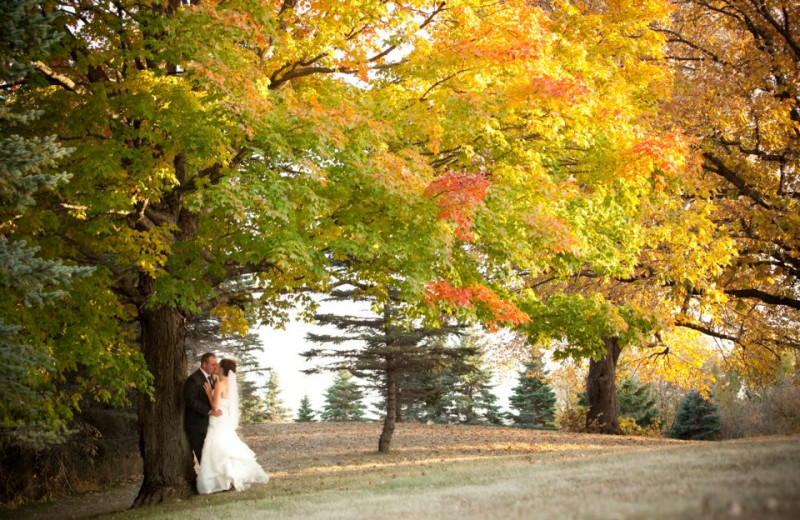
(195,417)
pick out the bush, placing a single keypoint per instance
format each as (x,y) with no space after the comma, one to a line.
(102,451)
(630,426)
(572,418)
(776,411)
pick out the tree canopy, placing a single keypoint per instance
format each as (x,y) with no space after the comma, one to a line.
(503,163)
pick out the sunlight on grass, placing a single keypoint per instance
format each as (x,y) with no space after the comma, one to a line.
(757,479)
(329,471)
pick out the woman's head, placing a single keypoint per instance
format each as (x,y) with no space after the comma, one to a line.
(228,365)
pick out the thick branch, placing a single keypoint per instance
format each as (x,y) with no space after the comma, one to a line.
(765,297)
(59,79)
(715,165)
(699,327)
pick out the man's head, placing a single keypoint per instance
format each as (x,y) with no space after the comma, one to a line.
(208,362)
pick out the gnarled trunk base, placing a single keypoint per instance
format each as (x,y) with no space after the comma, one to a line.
(152,495)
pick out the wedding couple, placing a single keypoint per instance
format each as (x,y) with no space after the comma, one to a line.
(210,420)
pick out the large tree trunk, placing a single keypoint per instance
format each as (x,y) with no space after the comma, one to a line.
(168,463)
(391,406)
(601,390)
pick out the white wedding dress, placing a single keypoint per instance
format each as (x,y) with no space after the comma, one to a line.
(227,461)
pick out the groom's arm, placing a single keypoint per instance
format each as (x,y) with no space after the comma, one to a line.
(196,400)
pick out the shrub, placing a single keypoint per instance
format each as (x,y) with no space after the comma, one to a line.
(630,426)
(572,418)
(775,411)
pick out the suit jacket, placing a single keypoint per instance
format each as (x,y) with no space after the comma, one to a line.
(195,417)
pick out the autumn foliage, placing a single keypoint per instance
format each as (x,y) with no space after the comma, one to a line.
(458,196)
(498,310)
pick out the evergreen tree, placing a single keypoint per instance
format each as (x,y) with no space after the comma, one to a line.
(276,411)
(533,398)
(635,401)
(343,400)
(467,396)
(26,33)
(252,407)
(205,334)
(28,281)
(390,346)
(696,419)
(305,413)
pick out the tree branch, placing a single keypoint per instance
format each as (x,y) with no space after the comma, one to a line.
(715,165)
(59,79)
(704,329)
(765,297)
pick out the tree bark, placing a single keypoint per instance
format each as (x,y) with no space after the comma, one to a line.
(398,408)
(601,390)
(168,463)
(391,406)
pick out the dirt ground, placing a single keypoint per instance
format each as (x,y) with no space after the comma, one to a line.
(320,456)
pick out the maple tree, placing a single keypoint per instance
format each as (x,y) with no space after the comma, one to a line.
(37,404)
(737,94)
(696,245)
(195,164)
(721,235)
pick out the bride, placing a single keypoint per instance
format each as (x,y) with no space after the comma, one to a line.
(227,461)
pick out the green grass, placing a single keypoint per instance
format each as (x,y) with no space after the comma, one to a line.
(333,471)
(755,479)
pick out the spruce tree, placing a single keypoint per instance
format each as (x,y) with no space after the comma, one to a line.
(305,413)
(533,398)
(468,397)
(27,281)
(252,407)
(634,400)
(343,400)
(696,419)
(276,411)
(205,335)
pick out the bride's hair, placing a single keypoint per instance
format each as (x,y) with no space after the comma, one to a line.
(228,365)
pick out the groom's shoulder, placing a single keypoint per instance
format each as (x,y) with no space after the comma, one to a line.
(194,375)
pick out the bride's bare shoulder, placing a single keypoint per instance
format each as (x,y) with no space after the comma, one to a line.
(223,387)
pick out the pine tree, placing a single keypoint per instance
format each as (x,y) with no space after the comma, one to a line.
(696,419)
(533,398)
(391,346)
(343,400)
(305,413)
(635,401)
(276,411)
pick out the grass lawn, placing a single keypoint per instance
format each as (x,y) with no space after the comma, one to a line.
(466,472)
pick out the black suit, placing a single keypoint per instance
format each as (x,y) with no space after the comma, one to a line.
(195,417)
